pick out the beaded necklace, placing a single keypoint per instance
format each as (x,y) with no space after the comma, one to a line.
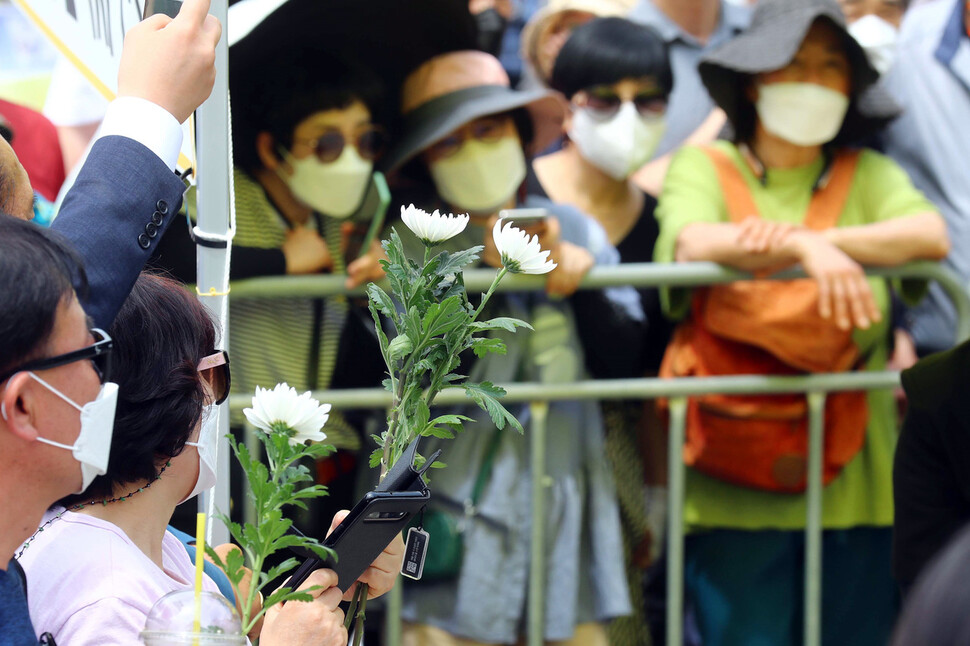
(90,503)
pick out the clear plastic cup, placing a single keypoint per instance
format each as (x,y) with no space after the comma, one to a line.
(171,621)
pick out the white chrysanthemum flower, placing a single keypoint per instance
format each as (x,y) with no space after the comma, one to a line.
(520,254)
(432,228)
(282,410)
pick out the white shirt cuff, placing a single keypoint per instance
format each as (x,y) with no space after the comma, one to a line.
(147,123)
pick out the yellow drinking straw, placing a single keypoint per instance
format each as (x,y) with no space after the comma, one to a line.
(199,561)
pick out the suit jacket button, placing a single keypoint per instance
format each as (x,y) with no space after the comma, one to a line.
(162,207)
(157,219)
(151,230)
(143,241)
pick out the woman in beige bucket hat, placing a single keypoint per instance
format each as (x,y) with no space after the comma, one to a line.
(467,138)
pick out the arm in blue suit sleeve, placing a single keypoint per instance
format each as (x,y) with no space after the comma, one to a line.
(124,199)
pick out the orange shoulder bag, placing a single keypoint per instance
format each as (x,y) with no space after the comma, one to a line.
(767,328)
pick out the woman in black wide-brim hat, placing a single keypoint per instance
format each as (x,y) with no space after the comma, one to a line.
(789,189)
(466,146)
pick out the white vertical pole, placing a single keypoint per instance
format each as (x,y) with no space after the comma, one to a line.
(213,174)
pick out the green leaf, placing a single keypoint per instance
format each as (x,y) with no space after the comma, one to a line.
(451,263)
(442,317)
(375,458)
(281,569)
(454,421)
(455,287)
(486,395)
(399,347)
(285,594)
(382,301)
(500,323)
(422,414)
(438,431)
(483,346)
(381,337)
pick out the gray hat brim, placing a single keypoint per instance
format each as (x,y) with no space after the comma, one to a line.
(437,118)
(771,42)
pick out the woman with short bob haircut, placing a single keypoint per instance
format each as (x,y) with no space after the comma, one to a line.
(102,558)
(617,77)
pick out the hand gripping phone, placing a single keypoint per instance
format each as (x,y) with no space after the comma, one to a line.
(523,218)
(372,524)
(168,7)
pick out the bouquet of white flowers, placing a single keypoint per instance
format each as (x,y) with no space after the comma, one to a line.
(432,322)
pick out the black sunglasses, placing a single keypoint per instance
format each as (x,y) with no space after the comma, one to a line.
(99,353)
(215,370)
(605,104)
(370,143)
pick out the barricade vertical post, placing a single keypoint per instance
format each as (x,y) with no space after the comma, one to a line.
(212,144)
(813,522)
(538,413)
(675,520)
(392,622)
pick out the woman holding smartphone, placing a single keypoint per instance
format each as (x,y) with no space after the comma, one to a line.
(102,558)
(617,77)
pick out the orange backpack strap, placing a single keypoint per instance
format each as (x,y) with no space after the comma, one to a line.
(737,196)
(829,201)
(823,211)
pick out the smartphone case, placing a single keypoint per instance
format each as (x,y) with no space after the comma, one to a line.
(372,524)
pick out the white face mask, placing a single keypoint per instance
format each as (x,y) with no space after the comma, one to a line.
(335,189)
(878,38)
(207,446)
(621,145)
(805,114)
(481,177)
(92,448)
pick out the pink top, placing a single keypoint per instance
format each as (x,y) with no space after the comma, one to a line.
(88,584)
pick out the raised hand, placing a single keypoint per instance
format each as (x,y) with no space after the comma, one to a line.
(171,61)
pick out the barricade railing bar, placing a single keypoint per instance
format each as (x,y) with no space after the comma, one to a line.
(814,386)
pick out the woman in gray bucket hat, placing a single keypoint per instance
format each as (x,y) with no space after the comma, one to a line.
(789,189)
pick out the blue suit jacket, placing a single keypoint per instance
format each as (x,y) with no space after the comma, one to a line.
(122,202)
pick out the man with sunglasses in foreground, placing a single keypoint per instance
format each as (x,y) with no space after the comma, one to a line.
(52,365)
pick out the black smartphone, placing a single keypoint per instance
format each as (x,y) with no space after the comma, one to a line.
(168,7)
(371,526)
(523,218)
(373,523)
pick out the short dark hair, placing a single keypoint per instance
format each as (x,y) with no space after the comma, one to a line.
(936,608)
(280,98)
(160,334)
(608,50)
(39,270)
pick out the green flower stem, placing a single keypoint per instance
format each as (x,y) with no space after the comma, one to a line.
(359,628)
(250,622)
(498,278)
(352,610)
